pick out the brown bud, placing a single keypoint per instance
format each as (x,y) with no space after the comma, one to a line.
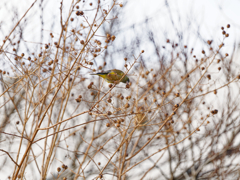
(215,91)
(79,13)
(78,100)
(113,38)
(89,86)
(209,76)
(209,42)
(82,41)
(128,97)
(107,41)
(214,111)
(221,45)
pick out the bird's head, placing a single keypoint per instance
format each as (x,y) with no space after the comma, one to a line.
(126,80)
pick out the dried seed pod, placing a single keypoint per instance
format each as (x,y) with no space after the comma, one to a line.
(79,13)
(209,76)
(214,111)
(127,105)
(141,118)
(209,42)
(215,91)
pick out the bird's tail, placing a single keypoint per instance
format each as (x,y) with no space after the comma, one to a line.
(99,73)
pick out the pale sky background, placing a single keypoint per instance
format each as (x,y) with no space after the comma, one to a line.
(210,15)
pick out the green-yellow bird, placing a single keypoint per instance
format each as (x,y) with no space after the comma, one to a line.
(112,76)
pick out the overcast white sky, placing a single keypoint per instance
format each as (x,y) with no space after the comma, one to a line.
(209,14)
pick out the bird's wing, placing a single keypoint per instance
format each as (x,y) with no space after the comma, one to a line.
(115,75)
(119,72)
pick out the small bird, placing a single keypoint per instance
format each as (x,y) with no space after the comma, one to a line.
(112,76)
